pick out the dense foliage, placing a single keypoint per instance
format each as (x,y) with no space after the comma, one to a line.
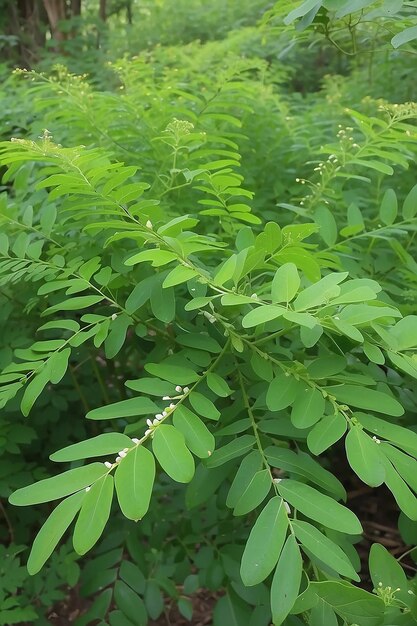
(207,250)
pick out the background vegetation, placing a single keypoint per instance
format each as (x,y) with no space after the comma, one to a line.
(207,249)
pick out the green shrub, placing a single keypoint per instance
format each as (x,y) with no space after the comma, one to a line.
(220,275)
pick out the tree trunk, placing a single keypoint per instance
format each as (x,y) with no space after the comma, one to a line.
(129,14)
(56,11)
(25,21)
(75,8)
(102,10)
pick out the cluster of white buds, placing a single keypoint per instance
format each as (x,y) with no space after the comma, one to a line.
(376,439)
(300,180)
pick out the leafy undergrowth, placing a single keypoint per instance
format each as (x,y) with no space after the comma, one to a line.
(216,268)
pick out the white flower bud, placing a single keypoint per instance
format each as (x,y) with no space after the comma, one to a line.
(148,432)
(155,422)
(166,398)
(114,317)
(149,224)
(122,454)
(287,507)
(87,488)
(164,413)
(186,390)
(159,416)
(149,422)
(108,464)
(118,459)
(135,440)
(277,480)
(178,388)
(171,406)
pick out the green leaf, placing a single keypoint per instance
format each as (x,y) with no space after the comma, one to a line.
(107,443)
(365,398)
(226,271)
(163,303)
(319,507)
(58,486)
(218,385)
(156,256)
(95,512)
(52,530)
(286,581)
(405,438)
(403,495)
(255,493)
(374,354)
(365,457)
(405,332)
(308,408)
(131,604)
(281,392)
(151,386)
(328,225)
(232,450)
(405,465)
(264,544)
(125,408)
(178,275)
(203,406)
(169,447)
(406,35)
(301,464)
(117,336)
(301,10)
(34,389)
(231,610)
(175,374)
(262,314)
(249,466)
(387,572)
(285,283)
(389,207)
(321,292)
(74,304)
(324,549)
(197,436)
(410,203)
(58,364)
(322,613)
(134,479)
(326,432)
(352,604)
